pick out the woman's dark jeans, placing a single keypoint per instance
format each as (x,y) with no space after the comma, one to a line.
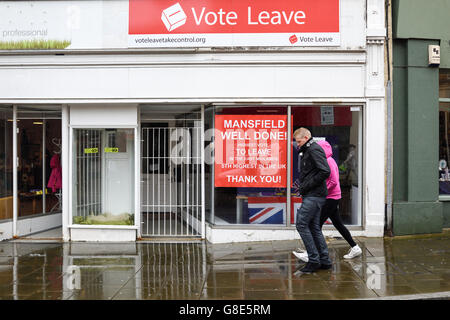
(309,227)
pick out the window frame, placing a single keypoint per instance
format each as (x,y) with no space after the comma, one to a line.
(443,197)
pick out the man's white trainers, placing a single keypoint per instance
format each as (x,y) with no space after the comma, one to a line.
(301,255)
(354,252)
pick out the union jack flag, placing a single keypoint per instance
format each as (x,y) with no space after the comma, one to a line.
(266,210)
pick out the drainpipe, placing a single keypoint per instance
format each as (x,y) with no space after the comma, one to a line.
(389,122)
(389,161)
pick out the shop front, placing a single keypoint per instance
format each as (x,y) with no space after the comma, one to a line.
(174,140)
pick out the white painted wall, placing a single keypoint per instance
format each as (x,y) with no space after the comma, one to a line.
(102,234)
(37,224)
(103,114)
(252,76)
(375,125)
(30,225)
(6,230)
(217,235)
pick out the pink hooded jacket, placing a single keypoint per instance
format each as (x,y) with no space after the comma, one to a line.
(55,181)
(333,186)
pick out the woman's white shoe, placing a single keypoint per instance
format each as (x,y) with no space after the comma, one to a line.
(354,252)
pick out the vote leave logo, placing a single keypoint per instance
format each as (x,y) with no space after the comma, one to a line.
(173,17)
(293,39)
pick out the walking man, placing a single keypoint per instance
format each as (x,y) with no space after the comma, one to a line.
(314,171)
(331,206)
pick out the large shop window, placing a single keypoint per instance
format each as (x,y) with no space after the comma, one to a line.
(341,126)
(39,176)
(444,131)
(250,168)
(6,187)
(39,160)
(103,176)
(248,176)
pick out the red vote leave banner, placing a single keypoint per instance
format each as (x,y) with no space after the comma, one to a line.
(202,23)
(250,151)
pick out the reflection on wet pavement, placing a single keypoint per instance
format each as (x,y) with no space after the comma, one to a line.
(199,271)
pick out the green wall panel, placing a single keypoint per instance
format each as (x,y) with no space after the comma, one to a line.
(416,90)
(416,136)
(423,132)
(417,53)
(417,218)
(400,119)
(423,19)
(446,214)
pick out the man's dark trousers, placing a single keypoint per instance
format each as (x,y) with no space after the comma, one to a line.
(309,228)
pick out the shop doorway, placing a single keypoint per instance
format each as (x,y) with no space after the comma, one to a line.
(171,199)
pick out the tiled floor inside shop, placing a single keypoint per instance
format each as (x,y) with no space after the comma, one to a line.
(198,270)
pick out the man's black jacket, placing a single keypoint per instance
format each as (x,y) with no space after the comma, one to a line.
(314,170)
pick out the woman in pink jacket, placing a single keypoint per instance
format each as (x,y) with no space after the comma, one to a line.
(331,206)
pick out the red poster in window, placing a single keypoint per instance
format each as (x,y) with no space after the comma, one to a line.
(250,151)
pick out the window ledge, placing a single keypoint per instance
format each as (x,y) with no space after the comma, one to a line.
(274,227)
(101,226)
(444,198)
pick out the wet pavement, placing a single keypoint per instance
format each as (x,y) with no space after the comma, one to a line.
(202,271)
